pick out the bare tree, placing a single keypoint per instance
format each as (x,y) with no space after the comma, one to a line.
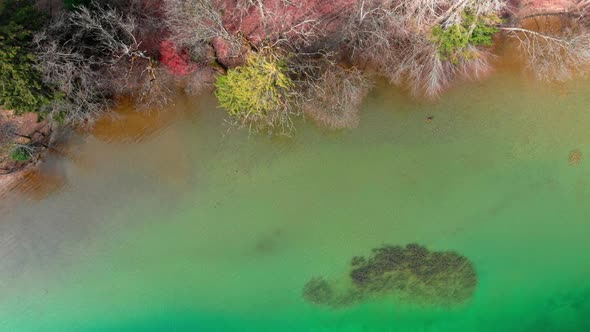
(553,57)
(334,99)
(307,29)
(394,37)
(51,7)
(193,24)
(7,129)
(557,53)
(199,81)
(420,67)
(66,68)
(196,24)
(90,54)
(582,6)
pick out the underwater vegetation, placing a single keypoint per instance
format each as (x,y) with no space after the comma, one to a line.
(565,311)
(318,291)
(410,274)
(269,243)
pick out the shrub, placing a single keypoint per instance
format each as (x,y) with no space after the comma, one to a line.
(20,153)
(21,88)
(177,62)
(259,92)
(454,41)
(20,84)
(336,96)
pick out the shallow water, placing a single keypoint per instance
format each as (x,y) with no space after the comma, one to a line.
(181,225)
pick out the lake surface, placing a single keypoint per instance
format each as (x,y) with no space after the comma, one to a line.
(170,222)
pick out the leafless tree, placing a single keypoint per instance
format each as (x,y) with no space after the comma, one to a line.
(88,55)
(334,99)
(373,20)
(149,21)
(7,129)
(244,7)
(582,6)
(394,36)
(193,24)
(51,7)
(556,53)
(199,81)
(420,68)
(309,28)
(553,57)
(65,67)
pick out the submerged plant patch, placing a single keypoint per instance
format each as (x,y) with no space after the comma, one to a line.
(411,274)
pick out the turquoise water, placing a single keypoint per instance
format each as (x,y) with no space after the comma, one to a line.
(197,228)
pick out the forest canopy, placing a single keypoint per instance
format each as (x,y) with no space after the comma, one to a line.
(269,61)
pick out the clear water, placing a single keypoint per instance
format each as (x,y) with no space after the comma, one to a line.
(178,225)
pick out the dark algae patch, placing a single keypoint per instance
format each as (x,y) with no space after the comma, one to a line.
(318,291)
(410,274)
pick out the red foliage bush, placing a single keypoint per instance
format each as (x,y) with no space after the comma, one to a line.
(177,62)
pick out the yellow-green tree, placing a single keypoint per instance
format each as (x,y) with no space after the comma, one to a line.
(259,93)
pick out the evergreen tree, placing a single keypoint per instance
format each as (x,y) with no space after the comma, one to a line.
(21,88)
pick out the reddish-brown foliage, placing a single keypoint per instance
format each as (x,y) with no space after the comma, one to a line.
(177,62)
(295,20)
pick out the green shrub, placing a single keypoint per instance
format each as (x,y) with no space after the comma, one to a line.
(21,88)
(20,153)
(257,92)
(23,13)
(20,84)
(454,41)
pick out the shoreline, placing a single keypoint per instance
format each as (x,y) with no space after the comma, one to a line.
(24,129)
(30,128)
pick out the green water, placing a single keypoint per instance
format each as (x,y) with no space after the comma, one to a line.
(194,228)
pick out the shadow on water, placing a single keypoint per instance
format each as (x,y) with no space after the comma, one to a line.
(269,243)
